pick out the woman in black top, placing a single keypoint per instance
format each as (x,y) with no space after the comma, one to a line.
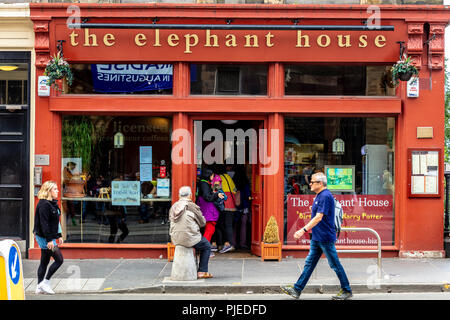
(46,230)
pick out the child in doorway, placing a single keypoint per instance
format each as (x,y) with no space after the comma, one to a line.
(219,204)
(217,188)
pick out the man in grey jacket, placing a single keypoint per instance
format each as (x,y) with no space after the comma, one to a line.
(186,219)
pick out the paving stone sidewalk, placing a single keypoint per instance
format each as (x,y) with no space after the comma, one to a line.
(248,275)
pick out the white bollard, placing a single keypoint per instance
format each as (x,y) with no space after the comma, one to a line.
(184,267)
(11,271)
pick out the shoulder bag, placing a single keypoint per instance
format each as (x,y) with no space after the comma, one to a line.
(237,197)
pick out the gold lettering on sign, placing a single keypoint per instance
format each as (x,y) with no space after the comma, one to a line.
(269,37)
(172,40)
(73,36)
(231,40)
(347,41)
(140,39)
(190,43)
(320,42)
(380,41)
(248,39)
(209,37)
(302,40)
(88,37)
(362,41)
(108,40)
(157,43)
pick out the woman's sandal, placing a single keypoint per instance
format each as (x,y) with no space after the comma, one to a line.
(204,275)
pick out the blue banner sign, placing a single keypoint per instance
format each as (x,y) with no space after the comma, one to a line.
(131,77)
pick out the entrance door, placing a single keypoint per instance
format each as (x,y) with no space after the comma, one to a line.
(257,198)
(13,174)
(239,156)
(14,146)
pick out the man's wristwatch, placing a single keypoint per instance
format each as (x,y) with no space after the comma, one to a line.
(304,229)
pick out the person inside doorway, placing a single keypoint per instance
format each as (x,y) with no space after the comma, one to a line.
(243,218)
(206,201)
(226,217)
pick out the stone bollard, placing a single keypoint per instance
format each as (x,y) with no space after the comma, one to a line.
(184,266)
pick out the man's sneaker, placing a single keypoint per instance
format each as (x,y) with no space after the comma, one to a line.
(342,295)
(290,290)
(226,249)
(213,248)
(45,287)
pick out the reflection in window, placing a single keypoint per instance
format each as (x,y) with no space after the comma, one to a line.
(357,156)
(211,79)
(122,79)
(116,191)
(338,80)
(10,157)
(15,92)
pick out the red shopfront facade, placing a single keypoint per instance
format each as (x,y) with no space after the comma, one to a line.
(309,101)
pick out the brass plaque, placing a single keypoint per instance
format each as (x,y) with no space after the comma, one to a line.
(424,132)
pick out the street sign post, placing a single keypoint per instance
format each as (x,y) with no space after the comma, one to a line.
(11,271)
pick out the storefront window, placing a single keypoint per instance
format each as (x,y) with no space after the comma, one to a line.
(116,178)
(14,83)
(357,156)
(338,80)
(122,79)
(228,79)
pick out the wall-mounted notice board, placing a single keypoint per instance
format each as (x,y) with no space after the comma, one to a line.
(424,173)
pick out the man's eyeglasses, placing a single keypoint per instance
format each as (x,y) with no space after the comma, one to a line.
(312,182)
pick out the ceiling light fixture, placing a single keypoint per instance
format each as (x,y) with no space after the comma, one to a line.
(229,121)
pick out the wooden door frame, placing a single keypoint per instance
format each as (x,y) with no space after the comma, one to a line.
(193,173)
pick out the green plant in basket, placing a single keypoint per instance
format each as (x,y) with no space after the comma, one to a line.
(403,70)
(58,68)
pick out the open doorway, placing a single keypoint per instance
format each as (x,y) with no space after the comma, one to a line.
(229,148)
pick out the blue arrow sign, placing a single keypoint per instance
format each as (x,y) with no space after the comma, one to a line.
(14,265)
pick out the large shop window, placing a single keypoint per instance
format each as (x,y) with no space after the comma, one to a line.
(121,79)
(116,178)
(357,156)
(338,80)
(228,79)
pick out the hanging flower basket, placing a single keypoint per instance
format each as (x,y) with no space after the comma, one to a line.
(58,69)
(403,70)
(405,76)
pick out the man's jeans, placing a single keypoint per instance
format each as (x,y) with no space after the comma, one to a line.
(204,248)
(316,250)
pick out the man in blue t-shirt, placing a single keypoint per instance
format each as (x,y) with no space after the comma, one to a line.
(322,241)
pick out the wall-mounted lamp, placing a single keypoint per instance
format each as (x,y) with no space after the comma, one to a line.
(338,146)
(119,140)
(8,68)
(401,49)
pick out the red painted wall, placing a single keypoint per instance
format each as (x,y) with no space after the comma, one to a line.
(418,221)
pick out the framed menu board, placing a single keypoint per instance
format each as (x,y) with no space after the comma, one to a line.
(424,173)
